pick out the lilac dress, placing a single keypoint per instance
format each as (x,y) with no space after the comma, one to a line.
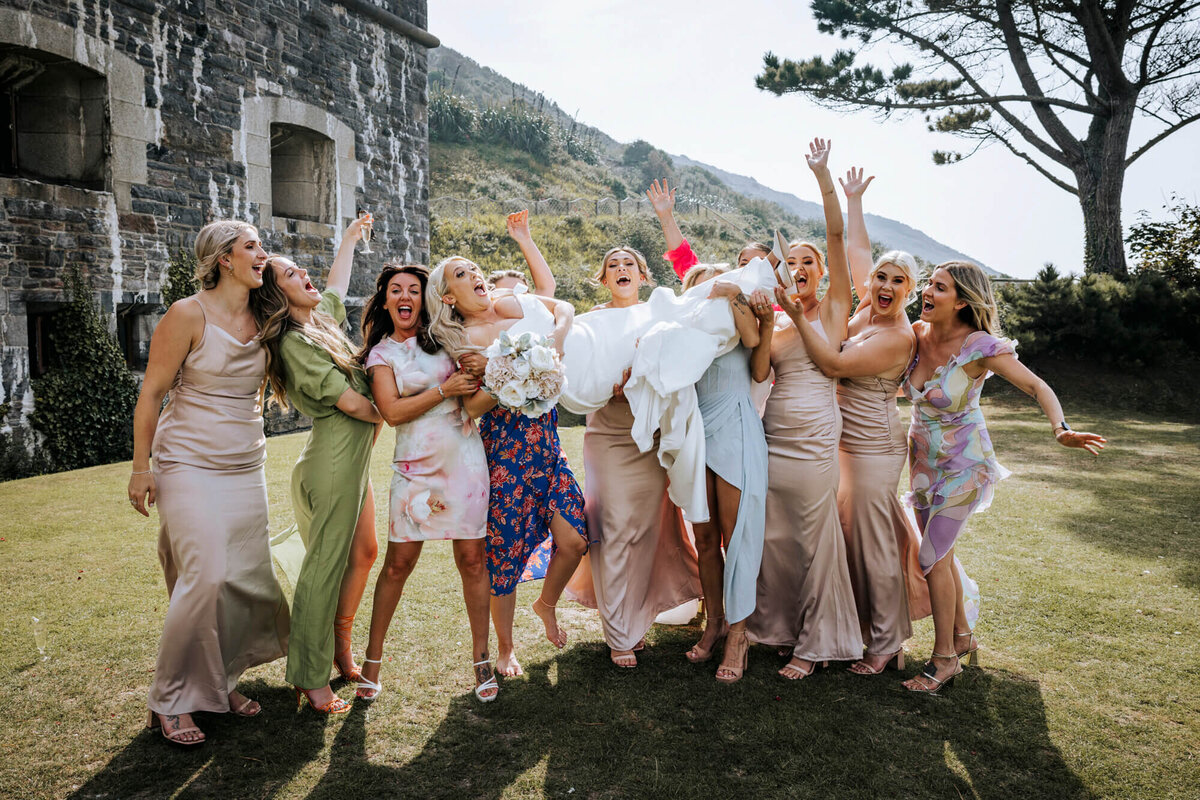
(952,467)
(440,474)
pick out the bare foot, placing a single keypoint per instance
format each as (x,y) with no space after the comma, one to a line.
(557,637)
(507,664)
(624,658)
(243,706)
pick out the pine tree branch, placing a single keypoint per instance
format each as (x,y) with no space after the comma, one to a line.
(1050,176)
(1162,135)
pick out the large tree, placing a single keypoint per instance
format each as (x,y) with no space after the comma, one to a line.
(1058,83)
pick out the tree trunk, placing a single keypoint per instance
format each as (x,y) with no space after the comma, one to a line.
(1101,179)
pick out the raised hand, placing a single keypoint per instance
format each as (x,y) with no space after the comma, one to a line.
(1091,442)
(661,198)
(727,289)
(354,231)
(818,154)
(518,226)
(854,185)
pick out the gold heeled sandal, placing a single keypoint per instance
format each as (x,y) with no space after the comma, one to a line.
(970,656)
(861,667)
(930,674)
(697,654)
(734,674)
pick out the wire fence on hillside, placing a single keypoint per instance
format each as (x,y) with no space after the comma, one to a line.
(450,206)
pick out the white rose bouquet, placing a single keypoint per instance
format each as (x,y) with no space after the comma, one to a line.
(524,373)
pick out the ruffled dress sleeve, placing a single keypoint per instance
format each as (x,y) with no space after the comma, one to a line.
(682,259)
(985,345)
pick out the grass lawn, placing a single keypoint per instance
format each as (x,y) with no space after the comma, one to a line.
(1090,575)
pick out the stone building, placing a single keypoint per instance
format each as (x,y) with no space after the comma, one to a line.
(128,124)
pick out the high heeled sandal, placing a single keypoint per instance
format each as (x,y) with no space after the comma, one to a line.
(624,659)
(335,706)
(364,682)
(343,626)
(697,654)
(174,736)
(734,673)
(792,672)
(930,674)
(970,656)
(241,709)
(490,683)
(896,660)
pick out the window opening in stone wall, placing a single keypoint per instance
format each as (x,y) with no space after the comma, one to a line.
(54,120)
(135,324)
(302,174)
(42,326)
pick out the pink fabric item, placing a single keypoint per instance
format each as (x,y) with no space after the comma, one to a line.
(682,259)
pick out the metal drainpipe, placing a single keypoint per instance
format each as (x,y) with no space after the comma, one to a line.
(390,20)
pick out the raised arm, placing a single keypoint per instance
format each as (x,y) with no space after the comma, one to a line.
(1012,370)
(858,243)
(679,253)
(397,410)
(543,279)
(180,329)
(339,273)
(835,306)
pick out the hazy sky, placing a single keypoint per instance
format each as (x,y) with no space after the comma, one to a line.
(680,74)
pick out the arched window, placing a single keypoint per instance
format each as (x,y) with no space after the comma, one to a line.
(53,125)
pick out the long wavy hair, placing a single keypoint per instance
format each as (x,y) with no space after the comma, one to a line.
(271,311)
(216,239)
(446,324)
(377,322)
(973,285)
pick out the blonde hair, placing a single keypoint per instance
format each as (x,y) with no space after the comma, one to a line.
(906,264)
(640,259)
(216,239)
(446,324)
(973,285)
(499,274)
(802,243)
(701,273)
(271,309)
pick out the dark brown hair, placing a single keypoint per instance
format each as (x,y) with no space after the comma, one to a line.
(377,322)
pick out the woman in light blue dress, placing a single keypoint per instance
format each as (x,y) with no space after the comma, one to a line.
(736,460)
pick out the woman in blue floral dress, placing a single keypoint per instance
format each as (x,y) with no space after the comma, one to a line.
(952,467)
(533,497)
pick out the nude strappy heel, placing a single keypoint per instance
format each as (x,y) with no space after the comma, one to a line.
(930,674)
(970,656)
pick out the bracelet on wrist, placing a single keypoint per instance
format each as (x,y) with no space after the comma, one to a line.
(443,394)
(142,472)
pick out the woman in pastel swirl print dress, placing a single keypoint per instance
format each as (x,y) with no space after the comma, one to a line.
(532,492)
(311,366)
(870,365)
(952,467)
(805,600)
(735,453)
(226,612)
(440,476)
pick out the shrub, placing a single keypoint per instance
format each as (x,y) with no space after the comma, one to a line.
(83,405)
(451,117)
(181,276)
(517,126)
(1171,248)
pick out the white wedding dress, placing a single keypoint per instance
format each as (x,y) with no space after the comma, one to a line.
(668,342)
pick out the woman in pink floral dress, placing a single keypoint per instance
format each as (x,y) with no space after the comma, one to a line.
(440,481)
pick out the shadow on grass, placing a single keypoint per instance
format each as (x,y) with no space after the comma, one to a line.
(1146,498)
(577,726)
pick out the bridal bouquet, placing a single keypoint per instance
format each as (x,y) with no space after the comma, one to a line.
(524,373)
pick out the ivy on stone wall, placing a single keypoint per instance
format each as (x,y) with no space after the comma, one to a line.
(181,276)
(83,405)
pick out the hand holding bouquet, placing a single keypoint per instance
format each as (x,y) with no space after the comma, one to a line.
(524,373)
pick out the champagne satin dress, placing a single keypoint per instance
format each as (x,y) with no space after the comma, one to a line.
(227,612)
(881,544)
(805,600)
(642,562)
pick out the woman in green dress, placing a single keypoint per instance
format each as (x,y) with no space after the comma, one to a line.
(311,365)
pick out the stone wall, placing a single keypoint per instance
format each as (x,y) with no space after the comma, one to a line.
(193,90)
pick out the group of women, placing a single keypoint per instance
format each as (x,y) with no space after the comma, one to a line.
(805,546)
